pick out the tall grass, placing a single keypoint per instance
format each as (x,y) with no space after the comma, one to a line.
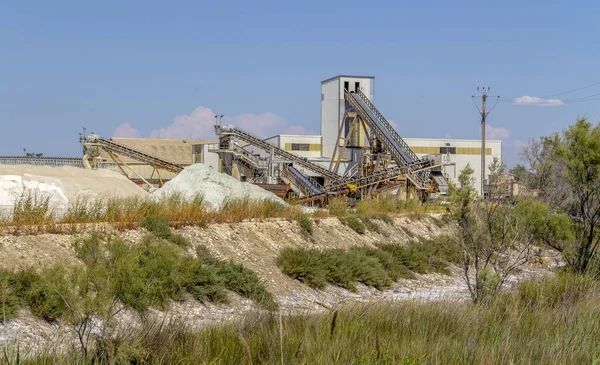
(389,205)
(505,331)
(30,211)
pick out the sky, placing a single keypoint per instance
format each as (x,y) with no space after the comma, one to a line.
(164,69)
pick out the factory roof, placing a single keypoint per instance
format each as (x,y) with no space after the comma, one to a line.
(178,151)
(348,76)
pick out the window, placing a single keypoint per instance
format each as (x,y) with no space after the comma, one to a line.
(300,147)
(448,150)
(346,85)
(356,86)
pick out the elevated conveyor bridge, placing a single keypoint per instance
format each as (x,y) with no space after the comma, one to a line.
(389,138)
(116,148)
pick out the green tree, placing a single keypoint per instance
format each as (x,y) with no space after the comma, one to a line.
(579,151)
(497,235)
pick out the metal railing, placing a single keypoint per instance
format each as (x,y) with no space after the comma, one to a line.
(42,161)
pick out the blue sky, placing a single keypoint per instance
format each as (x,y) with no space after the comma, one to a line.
(165,68)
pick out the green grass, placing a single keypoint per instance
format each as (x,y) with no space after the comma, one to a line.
(377,267)
(508,330)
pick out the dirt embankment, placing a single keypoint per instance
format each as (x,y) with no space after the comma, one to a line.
(256,245)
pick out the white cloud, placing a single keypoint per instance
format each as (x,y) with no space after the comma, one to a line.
(496,133)
(200,125)
(536,101)
(519,145)
(447,136)
(126,130)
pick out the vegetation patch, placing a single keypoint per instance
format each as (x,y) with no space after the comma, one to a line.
(405,332)
(305,223)
(369,224)
(114,275)
(354,223)
(159,226)
(377,267)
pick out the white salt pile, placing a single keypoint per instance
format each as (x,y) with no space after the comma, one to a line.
(213,186)
(61,185)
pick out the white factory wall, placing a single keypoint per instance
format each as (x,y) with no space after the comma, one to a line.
(468,152)
(209,158)
(333,106)
(299,144)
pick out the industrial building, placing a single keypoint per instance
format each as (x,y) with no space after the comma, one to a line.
(327,149)
(357,152)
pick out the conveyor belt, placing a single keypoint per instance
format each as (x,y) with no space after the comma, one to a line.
(307,185)
(385,133)
(288,156)
(381,176)
(132,153)
(440,180)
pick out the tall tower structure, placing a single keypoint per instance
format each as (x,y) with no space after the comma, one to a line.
(333,107)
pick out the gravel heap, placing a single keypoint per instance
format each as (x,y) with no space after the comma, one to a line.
(213,186)
(61,185)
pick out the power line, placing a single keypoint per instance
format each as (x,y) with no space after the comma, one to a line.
(484,114)
(572,91)
(581,99)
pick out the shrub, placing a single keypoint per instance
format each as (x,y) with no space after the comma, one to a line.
(159,226)
(369,224)
(41,293)
(303,265)
(339,270)
(367,269)
(384,218)
(305,223)
(246,283)
(354,223)
(377,267)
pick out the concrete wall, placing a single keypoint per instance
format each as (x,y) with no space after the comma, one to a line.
(467,152)
(333,106)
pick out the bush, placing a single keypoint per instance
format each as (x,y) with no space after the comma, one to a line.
(139,276)
(303,265)
(376,267)
(159,226)
(354,223)
(246,283)
(384,218)
(367,269)
(41,293)
(369,224)
(305,223)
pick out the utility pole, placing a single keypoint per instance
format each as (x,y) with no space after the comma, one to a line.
(484,114)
